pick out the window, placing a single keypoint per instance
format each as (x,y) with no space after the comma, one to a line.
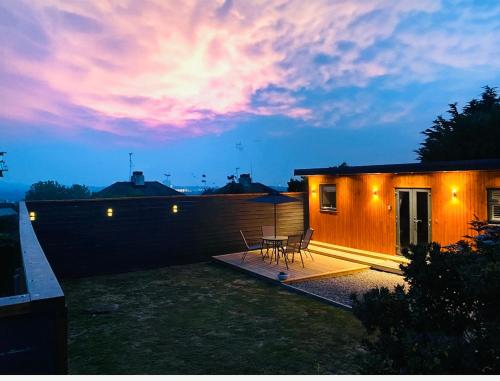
(328,199)
(494,205)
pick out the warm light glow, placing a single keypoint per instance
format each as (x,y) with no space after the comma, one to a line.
(109,212)
(32,216)
(454,193)
(175,209)
(375,192)
(313,191)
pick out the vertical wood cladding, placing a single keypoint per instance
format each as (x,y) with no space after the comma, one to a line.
(365,221)
(80,239)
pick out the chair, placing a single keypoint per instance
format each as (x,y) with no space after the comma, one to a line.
(304,245)
(293,245)
(267,231)
(248,247)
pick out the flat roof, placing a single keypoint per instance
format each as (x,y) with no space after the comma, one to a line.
(436,166)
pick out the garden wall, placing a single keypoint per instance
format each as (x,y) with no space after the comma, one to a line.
(33,324)
(80,239)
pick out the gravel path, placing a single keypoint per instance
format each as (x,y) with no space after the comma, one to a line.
(340,288)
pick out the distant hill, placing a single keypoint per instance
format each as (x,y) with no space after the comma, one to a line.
(15,192)
(12,192)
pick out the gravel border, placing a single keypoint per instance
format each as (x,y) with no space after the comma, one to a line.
(340,288)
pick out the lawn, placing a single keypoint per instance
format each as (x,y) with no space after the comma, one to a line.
(205,319)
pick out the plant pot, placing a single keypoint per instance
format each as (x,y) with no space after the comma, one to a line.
(282,276)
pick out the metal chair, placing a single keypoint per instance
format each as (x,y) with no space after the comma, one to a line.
(248,247)
(304,245)
(292,246)
(267,231)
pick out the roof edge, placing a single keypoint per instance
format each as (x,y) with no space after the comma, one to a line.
(436,166)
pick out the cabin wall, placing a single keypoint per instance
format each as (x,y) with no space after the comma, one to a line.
(367,221)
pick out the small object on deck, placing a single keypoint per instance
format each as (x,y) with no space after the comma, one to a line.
(282,276)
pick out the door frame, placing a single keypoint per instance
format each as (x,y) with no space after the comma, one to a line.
(412,213)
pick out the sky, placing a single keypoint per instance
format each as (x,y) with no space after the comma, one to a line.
(214,87)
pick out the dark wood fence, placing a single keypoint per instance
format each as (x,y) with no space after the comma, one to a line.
(33,325)
(80,239)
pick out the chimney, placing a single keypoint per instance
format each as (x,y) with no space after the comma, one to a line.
(137,178)
(245,180)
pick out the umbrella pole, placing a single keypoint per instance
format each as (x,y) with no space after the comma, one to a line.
(274,220)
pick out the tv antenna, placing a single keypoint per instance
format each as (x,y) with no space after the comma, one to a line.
(3,166)
(130,165)
(167,181)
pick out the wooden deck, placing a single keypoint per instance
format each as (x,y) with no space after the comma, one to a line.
(321,266)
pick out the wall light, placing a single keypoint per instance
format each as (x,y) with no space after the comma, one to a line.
(375,192)
(32,216)
(109,212)
(313,191)
(454,193)
(175,208)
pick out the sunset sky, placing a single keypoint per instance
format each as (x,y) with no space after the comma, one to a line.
(202,87)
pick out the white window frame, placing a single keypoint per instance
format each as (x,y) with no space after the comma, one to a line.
(493,203)
(321,207)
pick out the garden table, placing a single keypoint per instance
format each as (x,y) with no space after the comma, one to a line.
(277,243)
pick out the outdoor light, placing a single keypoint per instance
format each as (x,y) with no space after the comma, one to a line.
(175,209)
(375,191)
(454,193)
(109,212)
(313,190)
(32,216)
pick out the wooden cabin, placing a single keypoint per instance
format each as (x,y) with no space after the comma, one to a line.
(384,208)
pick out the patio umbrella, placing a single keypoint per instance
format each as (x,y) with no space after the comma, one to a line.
(274,198)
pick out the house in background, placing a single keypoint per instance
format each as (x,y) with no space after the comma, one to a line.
(244,185)
(384,208)
(136,187)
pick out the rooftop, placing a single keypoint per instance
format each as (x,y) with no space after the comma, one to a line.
(244,185)
(437,166)
(129,189)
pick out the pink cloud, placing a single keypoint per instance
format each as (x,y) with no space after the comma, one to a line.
(178,66)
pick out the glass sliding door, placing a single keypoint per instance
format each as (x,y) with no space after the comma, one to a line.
(413,218)
(404,222)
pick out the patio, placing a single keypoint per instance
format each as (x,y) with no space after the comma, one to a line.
(322,266)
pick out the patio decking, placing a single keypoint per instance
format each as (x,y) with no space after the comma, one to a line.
(321,266)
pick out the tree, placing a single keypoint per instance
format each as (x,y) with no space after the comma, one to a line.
(448,318)
(473,133)
(77,191)
(296,185)
(52,190)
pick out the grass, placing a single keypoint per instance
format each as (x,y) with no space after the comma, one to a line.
(205,319)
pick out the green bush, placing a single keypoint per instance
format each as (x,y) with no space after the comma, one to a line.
(52,190)
(296,185)
(448,318)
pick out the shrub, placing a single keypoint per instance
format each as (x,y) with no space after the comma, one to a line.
(52,190)
(448,320)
